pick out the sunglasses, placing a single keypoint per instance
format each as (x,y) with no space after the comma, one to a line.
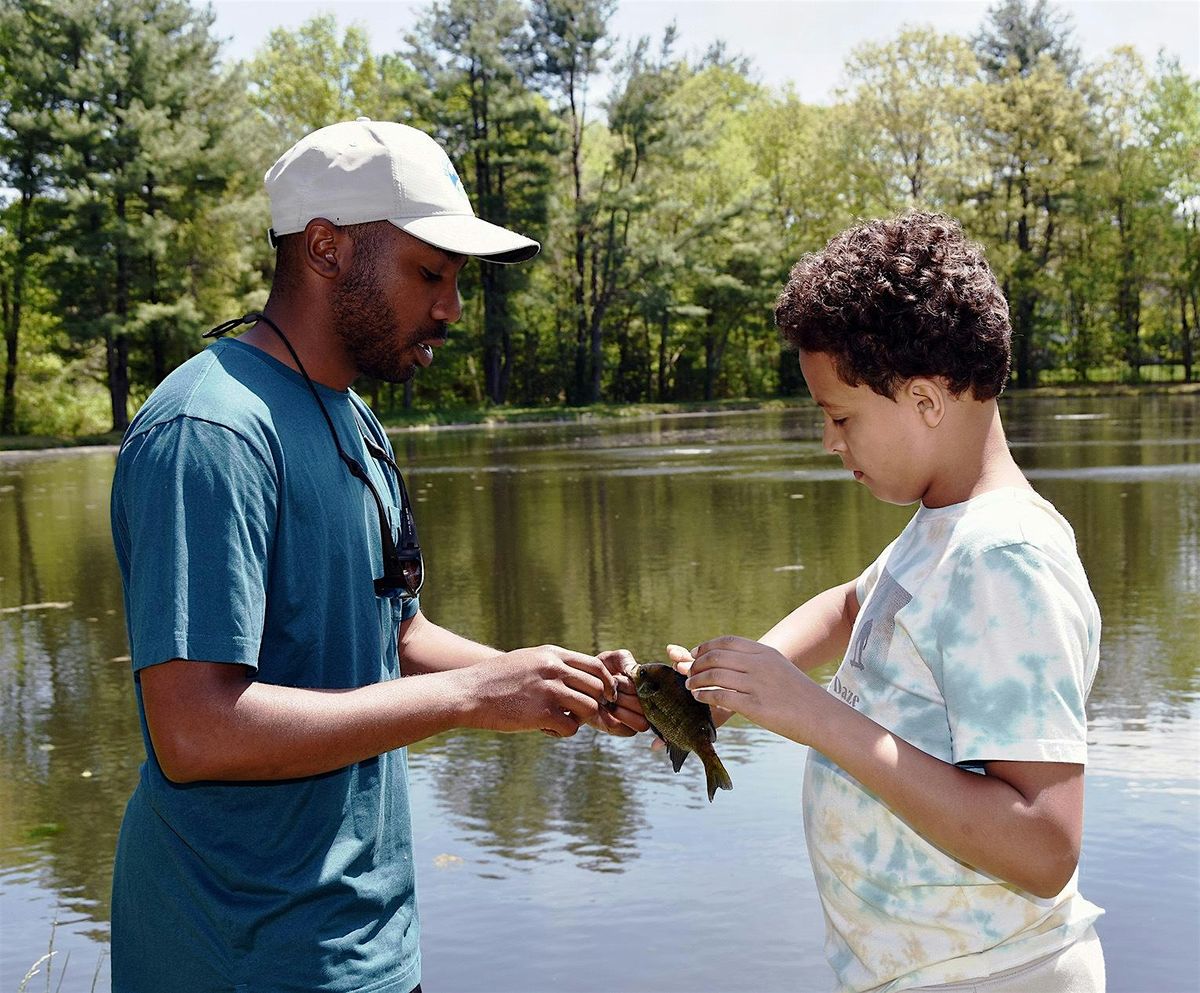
(403,567)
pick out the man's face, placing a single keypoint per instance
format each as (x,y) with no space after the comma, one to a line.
(393,306)
(880,440)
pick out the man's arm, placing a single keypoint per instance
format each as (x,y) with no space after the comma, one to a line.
(208,721)
(427,647)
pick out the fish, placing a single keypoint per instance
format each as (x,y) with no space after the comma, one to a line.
(682,722)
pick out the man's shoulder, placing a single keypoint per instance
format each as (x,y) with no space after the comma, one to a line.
(225,386)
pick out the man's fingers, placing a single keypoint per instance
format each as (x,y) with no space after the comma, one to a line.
(594,666)
(581,706)
(560,723)
(629,718)
(581,681)
(610,723)
(724,690)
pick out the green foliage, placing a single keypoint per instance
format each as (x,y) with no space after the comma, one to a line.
(131,162)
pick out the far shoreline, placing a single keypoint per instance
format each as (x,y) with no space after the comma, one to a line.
(14,447)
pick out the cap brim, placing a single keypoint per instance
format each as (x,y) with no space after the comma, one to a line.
(464,234)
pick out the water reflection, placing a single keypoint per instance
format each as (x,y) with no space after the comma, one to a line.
(523,798)
(628,535)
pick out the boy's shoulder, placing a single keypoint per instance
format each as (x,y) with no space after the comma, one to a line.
(1002,518)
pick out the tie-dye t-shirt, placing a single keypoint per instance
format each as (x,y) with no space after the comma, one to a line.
(977,639)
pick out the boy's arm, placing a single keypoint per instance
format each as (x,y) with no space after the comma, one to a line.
(1021,822)
(818,631)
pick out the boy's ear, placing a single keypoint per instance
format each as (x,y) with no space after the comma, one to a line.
(930,398)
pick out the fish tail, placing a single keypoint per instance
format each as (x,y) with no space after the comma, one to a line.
(714,772)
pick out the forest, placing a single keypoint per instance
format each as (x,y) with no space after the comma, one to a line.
(132,214)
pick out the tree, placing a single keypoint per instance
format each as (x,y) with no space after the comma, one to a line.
(144,128)
(569,46)
(908,100)
(305,79)
(31,89)
(474,58)
(1017,34)
(1031,123)
(1173,121)
(1129,189)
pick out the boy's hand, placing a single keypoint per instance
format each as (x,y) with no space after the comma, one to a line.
(623,718)
(682,659)
(737,675)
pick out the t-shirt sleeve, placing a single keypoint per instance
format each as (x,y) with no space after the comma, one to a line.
(1014,645)
(199,508)
(869,577)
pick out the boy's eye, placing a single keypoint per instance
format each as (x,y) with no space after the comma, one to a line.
(839,421)
(430,277)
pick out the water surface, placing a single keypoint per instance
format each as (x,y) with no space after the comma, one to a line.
(586,864)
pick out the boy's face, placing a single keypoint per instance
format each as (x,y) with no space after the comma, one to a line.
(881,440)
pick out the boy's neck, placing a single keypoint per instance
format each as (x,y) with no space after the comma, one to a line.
(977,462)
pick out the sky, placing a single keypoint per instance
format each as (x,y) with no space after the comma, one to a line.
(801,42)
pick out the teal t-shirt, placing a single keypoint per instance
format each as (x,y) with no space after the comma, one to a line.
(243,539)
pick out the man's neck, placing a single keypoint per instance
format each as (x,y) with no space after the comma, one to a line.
(310,334)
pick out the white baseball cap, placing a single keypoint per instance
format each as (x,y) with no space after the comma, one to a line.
(363,170)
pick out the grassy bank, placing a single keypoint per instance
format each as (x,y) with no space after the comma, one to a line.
(40,442)
(431,419)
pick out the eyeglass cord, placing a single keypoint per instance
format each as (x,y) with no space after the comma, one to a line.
(355,467)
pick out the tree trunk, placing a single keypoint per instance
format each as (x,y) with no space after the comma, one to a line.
(494,334)
(710,356)
(117,355)
(663,332)
(580,385)
(1186,331)
(1025,304)
(117,344)
(12,323)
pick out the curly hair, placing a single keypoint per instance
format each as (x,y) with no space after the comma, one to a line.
(888,300)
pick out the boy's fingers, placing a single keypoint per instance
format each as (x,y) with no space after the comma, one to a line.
(681,658)
(725,641)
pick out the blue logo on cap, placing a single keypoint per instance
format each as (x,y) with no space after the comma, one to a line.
(452,175)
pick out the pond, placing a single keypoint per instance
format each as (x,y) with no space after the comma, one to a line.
(585,864)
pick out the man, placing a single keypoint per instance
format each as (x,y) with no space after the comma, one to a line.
(271,572)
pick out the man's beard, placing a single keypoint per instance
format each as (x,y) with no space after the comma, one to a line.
(364,322)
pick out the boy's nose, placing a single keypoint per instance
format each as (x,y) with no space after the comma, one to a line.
(831,440)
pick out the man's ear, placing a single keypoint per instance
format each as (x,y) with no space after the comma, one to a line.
(326,248)
(930,398)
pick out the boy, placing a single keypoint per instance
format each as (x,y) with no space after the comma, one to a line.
(943,797)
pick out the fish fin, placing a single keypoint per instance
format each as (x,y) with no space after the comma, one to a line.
(677,755)
(657,733)
(715,774)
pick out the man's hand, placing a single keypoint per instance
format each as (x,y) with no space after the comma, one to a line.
(547,688)
(623,718)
